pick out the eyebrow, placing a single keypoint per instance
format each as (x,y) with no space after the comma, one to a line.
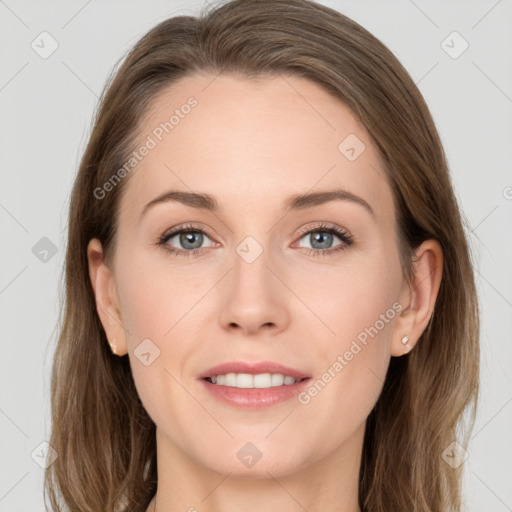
(208,202)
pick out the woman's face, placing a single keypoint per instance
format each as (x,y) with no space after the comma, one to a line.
(264,279)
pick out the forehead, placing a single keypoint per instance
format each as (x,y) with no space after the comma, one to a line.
(253,143)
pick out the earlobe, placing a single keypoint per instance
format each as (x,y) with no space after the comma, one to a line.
(107,304)
(419,296)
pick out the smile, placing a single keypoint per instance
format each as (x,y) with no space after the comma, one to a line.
(247,380)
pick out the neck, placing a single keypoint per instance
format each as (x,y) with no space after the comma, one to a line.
(330,484)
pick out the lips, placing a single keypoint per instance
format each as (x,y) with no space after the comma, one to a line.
(253,397)
(253,369)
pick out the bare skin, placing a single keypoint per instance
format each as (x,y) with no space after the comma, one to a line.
(252,145)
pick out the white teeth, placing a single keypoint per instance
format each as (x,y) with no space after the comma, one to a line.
(243,380)
(247,380)
(277,379)
(263,380)
(230,379)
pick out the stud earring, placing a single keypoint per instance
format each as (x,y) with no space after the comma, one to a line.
(113,347)
(405,339)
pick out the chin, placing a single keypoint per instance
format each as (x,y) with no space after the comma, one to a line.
(255,460)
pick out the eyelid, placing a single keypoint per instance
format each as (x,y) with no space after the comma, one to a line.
(322,225)
(301,232)
(186,227)
(343,234)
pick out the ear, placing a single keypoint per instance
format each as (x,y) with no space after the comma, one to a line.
(105,293)
(418,297)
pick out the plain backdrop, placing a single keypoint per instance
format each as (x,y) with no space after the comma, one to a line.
(46,107)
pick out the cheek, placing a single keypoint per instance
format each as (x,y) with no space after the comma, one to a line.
(355,299)
(152,309)
(349,383)
(359,305)
(152,299)
(356,354)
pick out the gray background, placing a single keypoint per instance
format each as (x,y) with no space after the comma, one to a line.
(46,107)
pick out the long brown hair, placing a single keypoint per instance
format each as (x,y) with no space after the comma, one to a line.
(104,438)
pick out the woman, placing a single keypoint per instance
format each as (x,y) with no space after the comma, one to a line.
(209,360)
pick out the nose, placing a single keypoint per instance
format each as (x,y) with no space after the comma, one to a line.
(254,299)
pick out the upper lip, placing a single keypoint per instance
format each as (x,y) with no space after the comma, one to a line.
(252,368)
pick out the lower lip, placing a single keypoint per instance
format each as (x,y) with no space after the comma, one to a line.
(255,398)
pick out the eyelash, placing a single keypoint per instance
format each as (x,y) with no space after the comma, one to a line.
(345,237)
